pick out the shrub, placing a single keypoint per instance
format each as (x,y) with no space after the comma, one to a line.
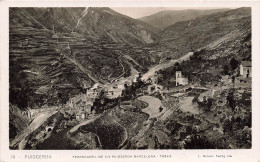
(233,63)
(195,99)
(226,70)
(139,104)
(231,100)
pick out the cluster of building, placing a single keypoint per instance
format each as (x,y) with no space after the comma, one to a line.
(245,70)
(155,87)
(94,91)
(112,90)
(244,78)
(80,106)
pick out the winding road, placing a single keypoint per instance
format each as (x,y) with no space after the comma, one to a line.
(75,128)
(158,67)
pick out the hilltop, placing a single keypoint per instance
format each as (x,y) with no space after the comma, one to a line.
(93,23)
(215,39)
(183,37)
(163,19)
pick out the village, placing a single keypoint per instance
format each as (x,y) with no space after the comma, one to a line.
(161,101)
(95,78)
(151,96)
(81,107)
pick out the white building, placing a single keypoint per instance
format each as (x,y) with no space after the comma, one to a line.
(135,78)
(114,93)
(181,80)
(96,86)
(93,93)
(121,86)
(246,69)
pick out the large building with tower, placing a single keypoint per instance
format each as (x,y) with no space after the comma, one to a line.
(181,80)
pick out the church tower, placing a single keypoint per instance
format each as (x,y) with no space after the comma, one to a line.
(178,76)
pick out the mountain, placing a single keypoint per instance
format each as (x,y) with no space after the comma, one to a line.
(210,31)
(94,23)
(217,40)
(108,24)
(56,53)
(166,18)
(61,19)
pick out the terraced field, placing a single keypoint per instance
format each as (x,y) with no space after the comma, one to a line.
(37,68)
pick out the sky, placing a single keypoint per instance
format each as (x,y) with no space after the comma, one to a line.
(138,12)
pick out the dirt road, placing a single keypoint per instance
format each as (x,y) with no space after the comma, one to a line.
(75,128)
(131,59)
(152,71)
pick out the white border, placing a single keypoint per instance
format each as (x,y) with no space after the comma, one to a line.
(177,155)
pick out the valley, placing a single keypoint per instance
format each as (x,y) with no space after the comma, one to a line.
(93,78)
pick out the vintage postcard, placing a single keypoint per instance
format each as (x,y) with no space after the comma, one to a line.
(115,81)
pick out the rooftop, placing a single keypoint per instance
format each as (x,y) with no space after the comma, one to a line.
(246,63)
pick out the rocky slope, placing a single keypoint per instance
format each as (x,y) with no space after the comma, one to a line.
(108,24)
(207,31)
(216,40)
(94,23)
(18,121)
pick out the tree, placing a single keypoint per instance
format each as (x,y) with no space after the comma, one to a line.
(227,126)
(233,63)
(209,104)
(244,137)
(225,70)
(231,100)
(177,64)
(195,99)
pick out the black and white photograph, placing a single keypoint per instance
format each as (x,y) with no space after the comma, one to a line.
(127,78)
